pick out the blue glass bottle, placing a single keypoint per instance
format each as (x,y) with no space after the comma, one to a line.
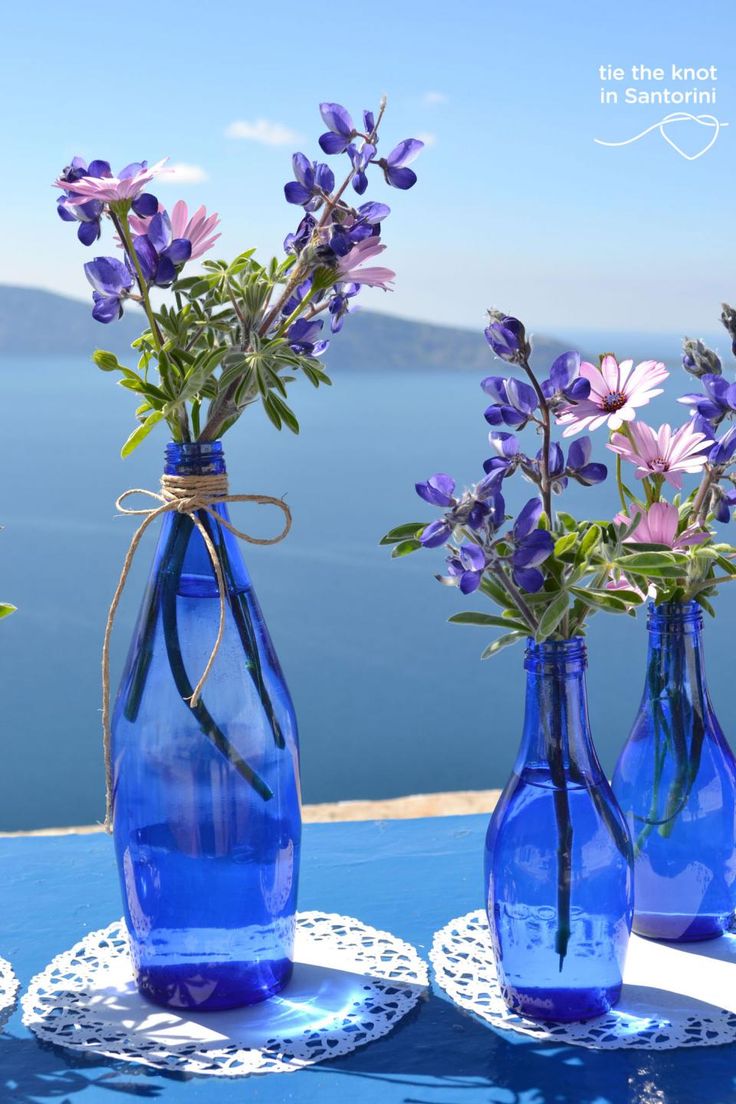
(558,855)
(675,782)
(206,802)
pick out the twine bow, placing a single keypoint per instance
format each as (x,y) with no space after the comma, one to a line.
(183,494)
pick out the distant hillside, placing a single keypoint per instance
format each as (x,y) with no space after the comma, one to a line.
(40,323)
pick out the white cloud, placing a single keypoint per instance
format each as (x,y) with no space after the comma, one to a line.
(263,131)
(180,172)
(434,98)
(428,138)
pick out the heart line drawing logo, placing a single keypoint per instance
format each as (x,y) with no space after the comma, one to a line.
(708,121)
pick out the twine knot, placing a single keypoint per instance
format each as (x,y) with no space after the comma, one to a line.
(190,495)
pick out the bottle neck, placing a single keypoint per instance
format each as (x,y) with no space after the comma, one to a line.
(194,458)
(556,735)
(675,662)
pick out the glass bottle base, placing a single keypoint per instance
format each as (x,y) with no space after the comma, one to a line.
(672,928)
(561,1005)
(213,987)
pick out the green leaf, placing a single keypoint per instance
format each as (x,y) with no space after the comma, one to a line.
(405,547)
(553,614)
(590,540)
(600,599)
(661,565)
(565,544)
(6,609)
(140,433)
(502,642)
(285,412)
(403,532)
(469,617)
(567,520)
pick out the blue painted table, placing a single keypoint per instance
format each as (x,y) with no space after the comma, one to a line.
(407,876)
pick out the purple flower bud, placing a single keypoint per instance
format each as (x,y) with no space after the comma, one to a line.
(507,337)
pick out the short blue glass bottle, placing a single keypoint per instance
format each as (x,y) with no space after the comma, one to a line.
(206,799)
(558,855)
(675,781)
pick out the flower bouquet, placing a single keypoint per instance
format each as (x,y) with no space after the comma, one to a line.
(201,752)
(551,897)
(676,776)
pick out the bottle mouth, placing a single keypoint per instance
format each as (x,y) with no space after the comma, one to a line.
(675,616)
(194,458)
(556,655)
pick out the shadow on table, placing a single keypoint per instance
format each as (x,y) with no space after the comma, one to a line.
(31,1071)
(439,1048)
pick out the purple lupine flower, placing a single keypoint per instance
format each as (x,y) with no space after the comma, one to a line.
(514,401)
(303,337)
(438,490)
(565,384)
(300,239)
(474,509)
(340,305)
(579,466)
(505,462)
(723,504)
(361,158)
(88,215)
(394,166)
(718,402)
(555,466)
(340,131)
(465,570)
(723,450)
(159,253)
(296,297)
(532,546)
(313,181)
(111,281)
(699,360)
(436,533)
(350,227)
(507,337)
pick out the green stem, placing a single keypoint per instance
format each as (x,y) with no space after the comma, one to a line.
(242,619)
(183,525)
(515,596)
(546,485)
(121,225)
(620,482)
(555,756)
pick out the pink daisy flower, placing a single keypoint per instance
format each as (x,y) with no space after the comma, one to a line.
(662,452)
(616,390)
(349,270)
(658,525)
(197,229)
(110,189)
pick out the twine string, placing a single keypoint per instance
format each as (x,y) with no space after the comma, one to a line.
(182,494)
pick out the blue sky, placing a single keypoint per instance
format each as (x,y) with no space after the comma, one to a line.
(516,206)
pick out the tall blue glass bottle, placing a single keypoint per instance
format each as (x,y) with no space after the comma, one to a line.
(676,783)
(206,800)
(558,855)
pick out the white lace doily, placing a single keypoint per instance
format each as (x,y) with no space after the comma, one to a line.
(351,984)
(9,985)
(673,995)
